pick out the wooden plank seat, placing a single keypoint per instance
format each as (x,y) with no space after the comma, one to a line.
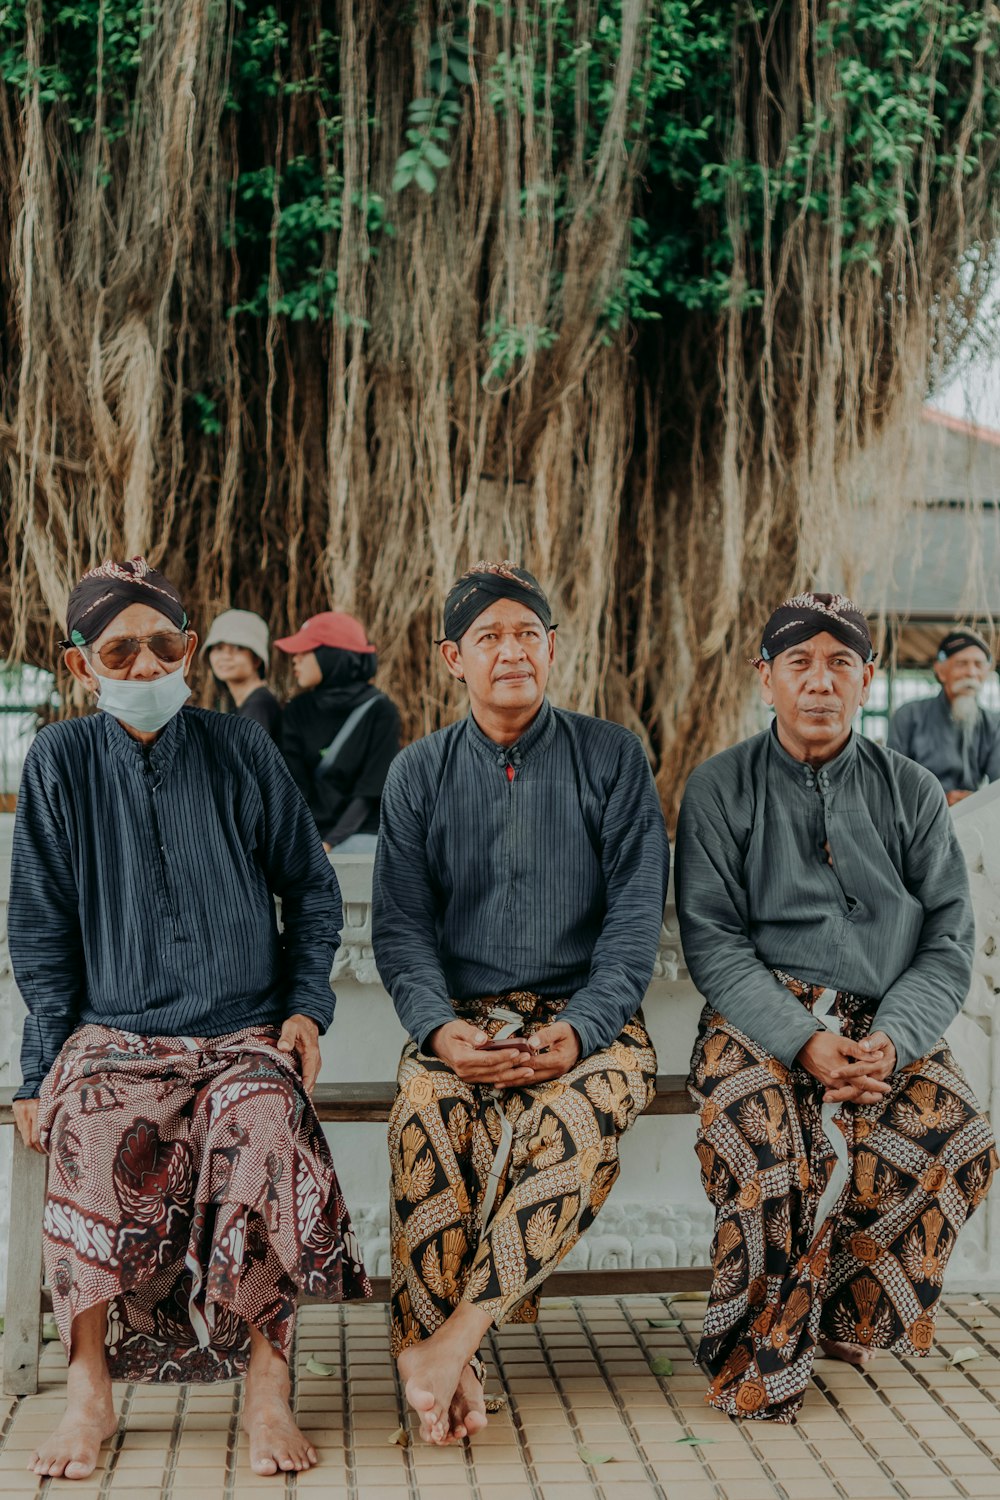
(341,1102)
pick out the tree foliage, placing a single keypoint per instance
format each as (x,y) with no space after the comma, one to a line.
(318,302)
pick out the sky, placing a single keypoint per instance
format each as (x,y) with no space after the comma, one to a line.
(973,392)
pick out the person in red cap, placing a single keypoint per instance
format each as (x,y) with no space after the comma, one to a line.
(341,733)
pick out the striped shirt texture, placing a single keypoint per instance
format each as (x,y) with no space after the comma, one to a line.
(143,885)
(885,915)
(540,866)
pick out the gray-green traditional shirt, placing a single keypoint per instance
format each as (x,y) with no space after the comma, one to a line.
(961,759)
(889,919)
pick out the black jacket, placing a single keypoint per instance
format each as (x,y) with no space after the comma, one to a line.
(311,723)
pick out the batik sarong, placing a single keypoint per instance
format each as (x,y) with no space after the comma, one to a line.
(918,1163)
(492,1187)
(190,1186)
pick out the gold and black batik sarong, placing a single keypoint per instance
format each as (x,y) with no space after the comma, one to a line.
(870,1273)
(492,1187)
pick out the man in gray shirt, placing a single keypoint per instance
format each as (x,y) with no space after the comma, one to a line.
(952,734)
(825,918)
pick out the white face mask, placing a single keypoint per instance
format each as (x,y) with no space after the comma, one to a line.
(145,706)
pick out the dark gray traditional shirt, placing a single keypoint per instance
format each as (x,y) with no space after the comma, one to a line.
(541,866)
(889,919)
(143,884)
(961,759)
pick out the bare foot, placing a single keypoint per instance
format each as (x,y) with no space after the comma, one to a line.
(72,1450)
(432,1373)
(851,1354)
(276,1443)
(467,1415)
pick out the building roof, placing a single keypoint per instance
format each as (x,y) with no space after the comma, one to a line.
(947,567)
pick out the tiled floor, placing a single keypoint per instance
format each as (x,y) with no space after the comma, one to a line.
(579,1386)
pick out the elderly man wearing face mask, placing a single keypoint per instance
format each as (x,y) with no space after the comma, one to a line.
(952,734)
(172,1038)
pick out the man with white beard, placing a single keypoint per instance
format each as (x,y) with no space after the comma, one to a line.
(952,734)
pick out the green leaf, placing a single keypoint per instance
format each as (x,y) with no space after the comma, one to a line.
(317,1367)
(424,177)
(49,1331)
(436,156)
(964,1355)
(694,1442)
(401,178)
(399,1439)
(590,1457)
(662,1365)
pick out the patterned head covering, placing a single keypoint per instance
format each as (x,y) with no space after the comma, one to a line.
(806,615)
(476,590)
(960,640)
(104,592)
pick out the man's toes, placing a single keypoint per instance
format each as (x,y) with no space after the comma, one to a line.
(75,1469)
(475,1421)
(264,1466)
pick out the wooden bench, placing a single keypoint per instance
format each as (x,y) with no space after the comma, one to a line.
(340,1102)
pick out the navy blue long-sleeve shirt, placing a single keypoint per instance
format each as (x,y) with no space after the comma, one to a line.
(143,885)
(553,881)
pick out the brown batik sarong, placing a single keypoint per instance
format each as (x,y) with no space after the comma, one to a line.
(492,1187)
(191,1186)
(918,1164)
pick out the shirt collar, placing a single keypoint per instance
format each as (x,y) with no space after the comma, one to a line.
(128,749)
(824,778)
(534,739)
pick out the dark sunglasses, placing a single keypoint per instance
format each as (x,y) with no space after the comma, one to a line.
(116,655)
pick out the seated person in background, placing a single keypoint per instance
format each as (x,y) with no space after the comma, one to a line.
(238,653)
(518,896)
(340,733)
(172,1038)
(825,916)
(952,734)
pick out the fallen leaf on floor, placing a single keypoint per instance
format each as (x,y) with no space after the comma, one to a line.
(400,1438)
(662,1365)
(695,1442)
(590,1457)
(965,1354)
(495,1403)
(49,1331)
(975,1322)
(690,1297)
(663,1322)
(317,1367)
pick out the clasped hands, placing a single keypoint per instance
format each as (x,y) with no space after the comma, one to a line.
(548,1053)
(851,1072)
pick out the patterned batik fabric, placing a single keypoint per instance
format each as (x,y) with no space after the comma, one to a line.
(190,1186)
(447,1136)
(918,1164)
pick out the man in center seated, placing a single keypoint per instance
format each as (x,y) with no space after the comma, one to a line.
(825,917)
(518,898)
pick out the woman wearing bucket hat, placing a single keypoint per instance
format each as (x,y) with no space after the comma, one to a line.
(340,733)
(238,647)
